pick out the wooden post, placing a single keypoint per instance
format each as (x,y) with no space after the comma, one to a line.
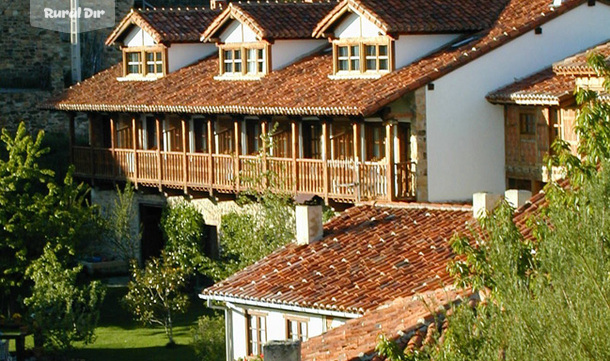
(264,131)
(325,147)
(295,171)
(112,146)
(134,138)
(184,157)
(158,135)
(237,146)
(389,154)
(356,145)
(72,136)
(210,158)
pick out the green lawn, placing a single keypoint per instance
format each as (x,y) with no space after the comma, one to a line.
(120,338)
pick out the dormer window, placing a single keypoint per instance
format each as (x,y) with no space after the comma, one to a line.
(362,58)
(144,62)
(243,60)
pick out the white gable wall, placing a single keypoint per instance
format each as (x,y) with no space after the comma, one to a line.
(409,48)
(465,133)
(276,326)
(181,55)
(356,26)
(138,37)
(236,32)
(285,52)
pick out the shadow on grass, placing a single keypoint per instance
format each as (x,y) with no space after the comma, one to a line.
(158,353)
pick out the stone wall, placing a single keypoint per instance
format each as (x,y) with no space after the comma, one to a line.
(35,65)
(418,145)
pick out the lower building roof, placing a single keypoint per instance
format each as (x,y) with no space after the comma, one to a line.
(368,255)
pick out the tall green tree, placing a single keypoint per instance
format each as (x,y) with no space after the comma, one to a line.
(547,298)
(36,211)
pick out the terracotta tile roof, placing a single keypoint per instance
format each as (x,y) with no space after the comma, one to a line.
(167,25)
(552,85)
(418,16)
(369,255)
(402,320)
(302,88)
(577,64)
(284,20)
(543,88)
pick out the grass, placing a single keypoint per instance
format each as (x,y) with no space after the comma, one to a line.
(120,338)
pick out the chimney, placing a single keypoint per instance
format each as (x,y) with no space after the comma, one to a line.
(282,351)
(517,197)
(483,203)
(309,224)
(218,4)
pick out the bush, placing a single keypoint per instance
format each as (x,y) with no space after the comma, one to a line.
(209,338)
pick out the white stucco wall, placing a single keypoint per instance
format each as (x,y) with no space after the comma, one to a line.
(356,26)
(138,37)
(285,52)
(236,32)
(465,133)
(409,48)
(276,326)
(181,55)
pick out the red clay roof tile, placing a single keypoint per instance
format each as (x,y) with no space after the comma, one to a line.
(167,25)
(283,20)
(302,88)
(369,255)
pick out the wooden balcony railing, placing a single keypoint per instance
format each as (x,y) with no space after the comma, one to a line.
(343,180)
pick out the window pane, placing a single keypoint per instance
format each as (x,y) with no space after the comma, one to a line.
(355,64)
(237,54)
(159,68)
(371,50)
(355,50)
(371,64)
(260,66)
(228,67)
(228,54)
(237,67)
(342,50)
(150,56)
(343,65)
(383,64)
(261,54)
(383,50)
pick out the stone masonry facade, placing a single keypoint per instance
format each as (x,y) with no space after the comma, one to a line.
(35,65)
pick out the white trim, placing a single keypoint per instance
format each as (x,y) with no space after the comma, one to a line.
(280,306)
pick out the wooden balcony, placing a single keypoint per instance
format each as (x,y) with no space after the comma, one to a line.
(340,180)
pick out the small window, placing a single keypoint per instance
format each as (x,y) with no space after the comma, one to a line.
(348,58)
(134,63)
(527,124)
(154,63)
(365,57)
(296,329)
(257,333)
(243,61)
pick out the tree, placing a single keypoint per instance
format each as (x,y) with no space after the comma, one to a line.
(124,239)
(63,311)
(183,227)
(156,293)
(36,211)
(547,298)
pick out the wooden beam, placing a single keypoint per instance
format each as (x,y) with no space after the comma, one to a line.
(295,171)
(113,145)
(158,136)
(264,132)
(325,147)
(134,139)
(184,157)
(210,152)
(389,154)
(237,146)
